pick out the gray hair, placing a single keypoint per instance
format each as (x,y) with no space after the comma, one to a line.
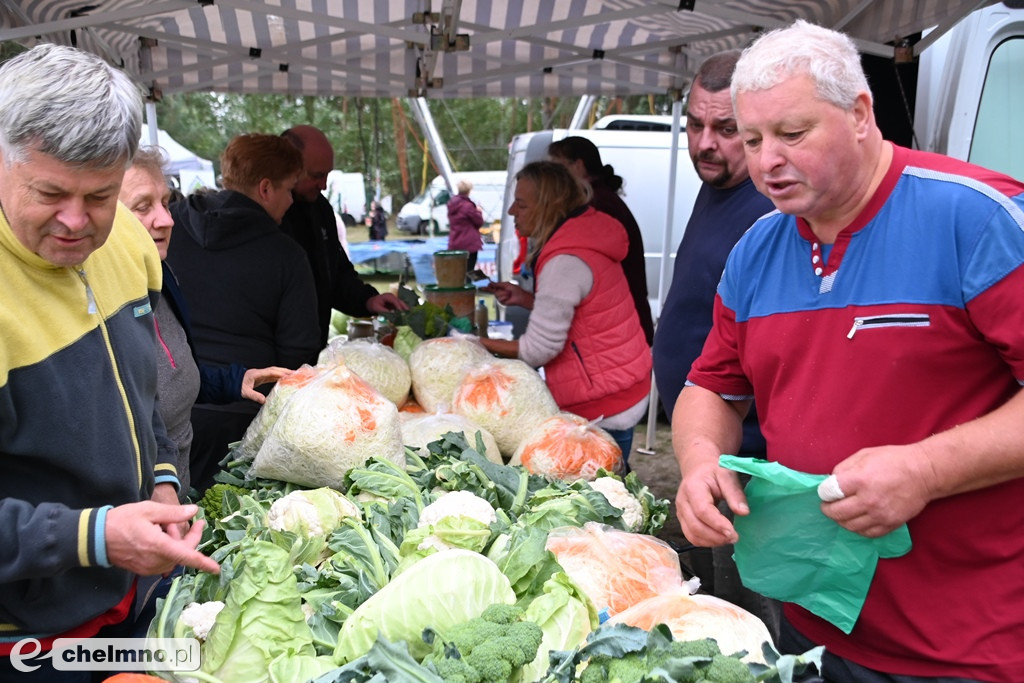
(151,158)
(830,59)
(69,105)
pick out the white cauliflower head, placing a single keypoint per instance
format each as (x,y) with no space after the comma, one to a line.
(458,504)
(316,512)
(618,496)
(453,504)
(200,617)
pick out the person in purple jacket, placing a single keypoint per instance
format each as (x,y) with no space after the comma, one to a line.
(464,221)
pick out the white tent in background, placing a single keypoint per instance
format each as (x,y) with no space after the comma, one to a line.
(191,170)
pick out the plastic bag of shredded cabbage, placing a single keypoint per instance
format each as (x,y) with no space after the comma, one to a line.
(329,426)
(420,429)
(616,569)
(695,617)
(507,398)
(569,447)
(379,365)
(271,410)
(437,366)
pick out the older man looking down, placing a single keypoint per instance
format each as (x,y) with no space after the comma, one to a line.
(88,496)
(876,320)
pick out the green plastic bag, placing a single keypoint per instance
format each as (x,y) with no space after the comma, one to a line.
(789,550)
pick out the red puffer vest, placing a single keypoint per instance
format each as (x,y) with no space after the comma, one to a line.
(605,367)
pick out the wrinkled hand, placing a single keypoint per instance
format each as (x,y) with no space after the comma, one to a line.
(509,294)
(255,377)
(382,303)
(696,505)
(137,539)
(883,487)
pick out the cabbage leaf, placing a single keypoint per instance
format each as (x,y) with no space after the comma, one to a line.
(440,591)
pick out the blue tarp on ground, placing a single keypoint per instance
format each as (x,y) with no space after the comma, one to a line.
(400,255)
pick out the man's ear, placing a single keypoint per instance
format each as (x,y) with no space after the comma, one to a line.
(863,114)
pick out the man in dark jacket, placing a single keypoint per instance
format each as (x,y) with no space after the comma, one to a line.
(248,287)
(311,222)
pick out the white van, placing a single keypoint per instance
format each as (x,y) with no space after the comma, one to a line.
(427,213)
(642,158)
(347,194)
(970,91)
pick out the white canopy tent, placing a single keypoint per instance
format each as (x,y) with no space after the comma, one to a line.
(180,158)
(444,48)
(191,170)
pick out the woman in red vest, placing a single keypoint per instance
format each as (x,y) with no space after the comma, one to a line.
(584,329)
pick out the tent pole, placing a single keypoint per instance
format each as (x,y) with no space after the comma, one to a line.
(423,116)
(582,113)
(154,132)
(666,251)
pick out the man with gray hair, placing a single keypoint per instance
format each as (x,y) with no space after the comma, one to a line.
(726,205)
(876,320)
(87,482)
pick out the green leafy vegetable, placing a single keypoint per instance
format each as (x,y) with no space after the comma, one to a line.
(625,654)
(261,620)
(426,319)
(439,591)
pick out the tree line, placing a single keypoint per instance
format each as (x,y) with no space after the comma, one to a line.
(380,137)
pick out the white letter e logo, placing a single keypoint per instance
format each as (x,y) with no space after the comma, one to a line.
(17,655)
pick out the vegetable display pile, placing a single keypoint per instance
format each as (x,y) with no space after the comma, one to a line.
(435,568)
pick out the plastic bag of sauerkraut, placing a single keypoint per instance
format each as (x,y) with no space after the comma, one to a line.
(506,397)
(277,399)
(420,429)
(378,364)
(334,423)
(567,446)
(437,365)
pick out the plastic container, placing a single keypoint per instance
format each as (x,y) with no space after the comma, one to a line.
(450,268)
(461,299)
(360,329)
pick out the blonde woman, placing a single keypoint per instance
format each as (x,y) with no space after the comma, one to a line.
(584,329)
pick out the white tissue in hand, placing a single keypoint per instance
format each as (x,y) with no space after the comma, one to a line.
(829,490)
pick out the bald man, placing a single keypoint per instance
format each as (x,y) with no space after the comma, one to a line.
(310,221)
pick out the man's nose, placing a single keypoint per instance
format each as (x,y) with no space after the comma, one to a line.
(707,139)
(73,215)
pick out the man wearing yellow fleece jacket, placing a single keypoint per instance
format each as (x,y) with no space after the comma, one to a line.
(87,482)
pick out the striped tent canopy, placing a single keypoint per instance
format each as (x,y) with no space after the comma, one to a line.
(443,48)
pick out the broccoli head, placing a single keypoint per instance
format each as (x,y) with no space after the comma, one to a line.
(212,501)
(693,648)
(725,669)
(489,649)
(630,668)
